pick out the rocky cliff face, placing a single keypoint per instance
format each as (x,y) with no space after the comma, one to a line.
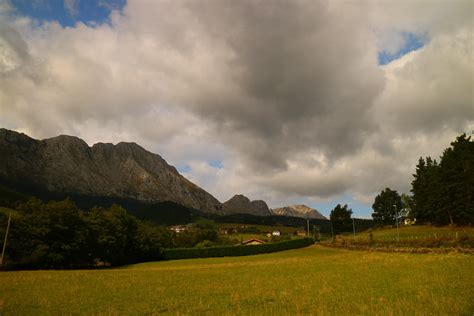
(240,204)
(126,170)
(298,211)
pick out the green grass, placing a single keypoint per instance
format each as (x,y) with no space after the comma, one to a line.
(312,280)
(419,231)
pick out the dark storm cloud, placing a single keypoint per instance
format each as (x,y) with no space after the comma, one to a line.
(305,73)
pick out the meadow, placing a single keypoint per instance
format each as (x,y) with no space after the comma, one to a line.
(312,280)
(419,231)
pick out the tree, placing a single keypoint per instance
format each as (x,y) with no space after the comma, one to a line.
(341,218)
(386,206)
(49,234)
(443,193)
(151,239)
(456,174)
(113,234)
(426,191)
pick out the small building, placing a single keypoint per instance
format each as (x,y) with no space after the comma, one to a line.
(179,228)
(276,233)
(301,233)
(409,221)
(253,241)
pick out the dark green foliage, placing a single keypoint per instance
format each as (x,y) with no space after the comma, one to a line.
(456,178)
(231,251)
(151,239)
(444,193)
(57,234)
(162,213)
(45,235)
(341,219)
(386,207)
(362,224)
(192,237)
(10,197)
(426,191)
(112,235)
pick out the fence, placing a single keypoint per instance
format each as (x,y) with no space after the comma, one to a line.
(464,239)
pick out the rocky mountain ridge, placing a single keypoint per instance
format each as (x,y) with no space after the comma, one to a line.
(126,170)
(298,211)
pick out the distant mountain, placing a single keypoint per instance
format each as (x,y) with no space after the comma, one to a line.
(298,211)
(66,164)
(240,204)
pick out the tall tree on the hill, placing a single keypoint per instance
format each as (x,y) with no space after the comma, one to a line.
(426,191)
(386,205)
(443,193)
(456,200)
(341,218)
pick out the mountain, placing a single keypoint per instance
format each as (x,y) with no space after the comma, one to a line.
(240,204)
(298,211)
(66,164)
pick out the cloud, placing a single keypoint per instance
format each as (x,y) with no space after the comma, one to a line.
(13,49)
(5,6)
(288,95)
(293,85)
(431,89)
(71,7)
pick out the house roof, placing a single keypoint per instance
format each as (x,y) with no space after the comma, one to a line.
(253,240)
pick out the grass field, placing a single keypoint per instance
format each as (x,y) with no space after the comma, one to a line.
(313,280)
(419,231)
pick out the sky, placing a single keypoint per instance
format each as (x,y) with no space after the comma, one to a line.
(293,102)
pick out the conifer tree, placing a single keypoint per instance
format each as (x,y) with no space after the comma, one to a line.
(386,206)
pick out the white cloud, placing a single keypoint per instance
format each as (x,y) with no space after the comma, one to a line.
(71,7)
(288,96)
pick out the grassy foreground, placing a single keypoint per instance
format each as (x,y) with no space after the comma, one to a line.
(311,280)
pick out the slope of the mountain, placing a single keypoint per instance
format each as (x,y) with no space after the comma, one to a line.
(298,211)
(66,164)
(240,204)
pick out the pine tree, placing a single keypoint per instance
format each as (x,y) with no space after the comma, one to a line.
(457,178)
(444,193)
(341,218)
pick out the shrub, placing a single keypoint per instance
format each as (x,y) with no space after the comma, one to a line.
(232,251)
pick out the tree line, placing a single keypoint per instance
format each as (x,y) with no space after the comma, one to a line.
(442,192)
(342,220)
(58,234)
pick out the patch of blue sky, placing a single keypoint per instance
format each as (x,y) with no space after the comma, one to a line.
(68,12)
(412,42)
(184,169)
(217,164)
(359,210)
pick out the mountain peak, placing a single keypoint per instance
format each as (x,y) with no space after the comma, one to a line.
(66,140)
(240,204)
(299,210)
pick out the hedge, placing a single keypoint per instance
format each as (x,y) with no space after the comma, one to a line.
(232,251)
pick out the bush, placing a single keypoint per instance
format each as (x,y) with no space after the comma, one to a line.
(232,251)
